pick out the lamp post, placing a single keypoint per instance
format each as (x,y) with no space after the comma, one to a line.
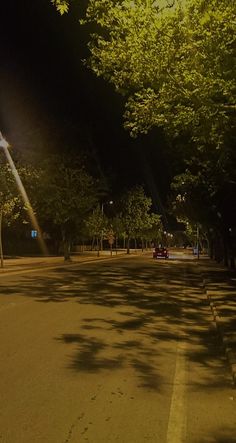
(110,202)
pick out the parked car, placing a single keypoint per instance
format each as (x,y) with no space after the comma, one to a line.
(160,253)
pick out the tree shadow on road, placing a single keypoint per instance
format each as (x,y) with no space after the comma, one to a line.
(140,310)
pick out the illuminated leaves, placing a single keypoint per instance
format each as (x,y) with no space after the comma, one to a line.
(62,6)
(174,62)
(135,211)
(96,223)
(177,69)
(9,200)
(69,188)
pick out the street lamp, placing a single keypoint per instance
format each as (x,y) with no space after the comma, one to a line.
(110,202)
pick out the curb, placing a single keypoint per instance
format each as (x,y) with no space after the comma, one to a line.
(62,264)
(230,355)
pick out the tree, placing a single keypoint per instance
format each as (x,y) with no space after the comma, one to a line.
(176,69)
(96,224)
(135,212)
(153,231)
(175,64)
(173,61)
(10,203)
(203,196)
(118,227)
(66,193)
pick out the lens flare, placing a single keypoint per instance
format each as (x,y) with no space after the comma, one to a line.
(5,145)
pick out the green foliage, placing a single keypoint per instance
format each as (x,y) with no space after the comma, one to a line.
(176,69)
(135,211)
(66,193)
(62,6)
(96,223)
(192,198)
(175,65)
(153,230)
(10,202)
(204,193)
(12,206)
(118,225)
(60,191)
(136,219)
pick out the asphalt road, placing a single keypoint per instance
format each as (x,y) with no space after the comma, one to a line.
(120,350)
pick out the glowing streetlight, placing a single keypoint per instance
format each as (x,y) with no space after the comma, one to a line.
(110,202)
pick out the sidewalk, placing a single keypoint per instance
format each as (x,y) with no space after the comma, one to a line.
(220,286)
(22,264)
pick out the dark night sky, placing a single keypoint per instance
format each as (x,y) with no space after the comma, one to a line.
(49,99)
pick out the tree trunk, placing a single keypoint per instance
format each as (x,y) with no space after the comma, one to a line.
(66,245)
(225,251)
(208,245)
(211,249)
(218,248)
(102,241)
(231,252)
(128,245)
(232,262)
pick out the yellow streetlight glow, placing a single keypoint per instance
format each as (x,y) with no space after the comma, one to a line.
(5,145)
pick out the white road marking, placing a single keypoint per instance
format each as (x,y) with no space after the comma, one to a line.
(177,423)
(176,432)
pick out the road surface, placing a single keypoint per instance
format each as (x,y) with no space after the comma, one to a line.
(122,350)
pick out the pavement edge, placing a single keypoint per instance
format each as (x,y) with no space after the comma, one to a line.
(230,355)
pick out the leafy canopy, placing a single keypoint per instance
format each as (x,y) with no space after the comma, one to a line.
(174,61)
(135,211)
(177,70)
